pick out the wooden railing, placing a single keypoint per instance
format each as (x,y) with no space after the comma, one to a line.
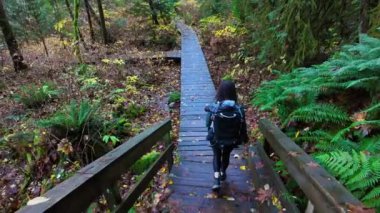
(100,177)
(324,192)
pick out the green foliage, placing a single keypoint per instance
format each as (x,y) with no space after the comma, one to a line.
(188,10)
(144,162)
(164,9)
(79,123)
(165,35)
(214,7)
(358,171)
(36,21)
(313,104)
(318,113)
(72,118)
(34,96)
(174,97)
(355,67)
(110,138)
(291,33)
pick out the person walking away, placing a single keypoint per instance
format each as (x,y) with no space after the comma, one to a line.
(226,128)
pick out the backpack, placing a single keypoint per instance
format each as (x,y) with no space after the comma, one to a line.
(226,126)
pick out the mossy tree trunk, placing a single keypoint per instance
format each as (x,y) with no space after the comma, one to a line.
(76,31)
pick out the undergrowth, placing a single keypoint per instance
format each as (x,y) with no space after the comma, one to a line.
(332,110)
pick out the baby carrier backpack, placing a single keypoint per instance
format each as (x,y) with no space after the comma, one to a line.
(226,126)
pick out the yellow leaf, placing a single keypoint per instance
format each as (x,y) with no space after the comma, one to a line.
(105,60)
(297,134)
(243,168)
(229,198)
(171,182)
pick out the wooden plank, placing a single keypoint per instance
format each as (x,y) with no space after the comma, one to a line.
(92,180)
(322,189)
(139,188)
(193,134)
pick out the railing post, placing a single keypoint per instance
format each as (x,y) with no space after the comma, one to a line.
(112,195)
(168,141)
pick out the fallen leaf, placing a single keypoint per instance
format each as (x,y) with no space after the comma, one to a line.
(211,196)
(37,200)
(229,198)
(312,164)
(264,195)
(293,154)
(243,168)
(359,209)
(259,165)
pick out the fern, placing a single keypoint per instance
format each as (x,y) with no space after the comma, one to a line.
(318,113)
(359,172)
(72,118)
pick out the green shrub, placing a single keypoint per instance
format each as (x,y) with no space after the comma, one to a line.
(34,96)
(174,97)
(165,35)
(188,10)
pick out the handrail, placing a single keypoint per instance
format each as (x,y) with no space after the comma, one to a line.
(323,190)
(76,193)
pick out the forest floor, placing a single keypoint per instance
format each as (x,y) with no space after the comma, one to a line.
(145,84)
(113,80)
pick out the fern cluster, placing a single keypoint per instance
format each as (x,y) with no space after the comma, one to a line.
(34,96)
(358,171)
(82,125)
(318,107)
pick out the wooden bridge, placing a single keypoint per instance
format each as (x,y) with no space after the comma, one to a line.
(250,170)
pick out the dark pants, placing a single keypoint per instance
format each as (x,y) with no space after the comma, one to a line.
(221,158)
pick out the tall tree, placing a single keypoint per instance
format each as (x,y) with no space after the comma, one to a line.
(106,38)
(72,18)
(153,11)
(10,39)
(87,5)
(76,31)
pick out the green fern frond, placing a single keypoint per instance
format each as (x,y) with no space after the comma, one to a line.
(339,135)
(359,172)
(371,144)
(318,113)
(374,107)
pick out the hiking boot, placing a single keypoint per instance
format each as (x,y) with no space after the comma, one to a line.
(216,185)
(223,176)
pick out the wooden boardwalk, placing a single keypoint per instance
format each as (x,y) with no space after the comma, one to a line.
(193,176)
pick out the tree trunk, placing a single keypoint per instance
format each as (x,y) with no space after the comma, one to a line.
(364,18)
(94,14)
(72,18)
(76,31)
(87,5)
(10,39)
(153,11)
(69,9)
(106,38)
